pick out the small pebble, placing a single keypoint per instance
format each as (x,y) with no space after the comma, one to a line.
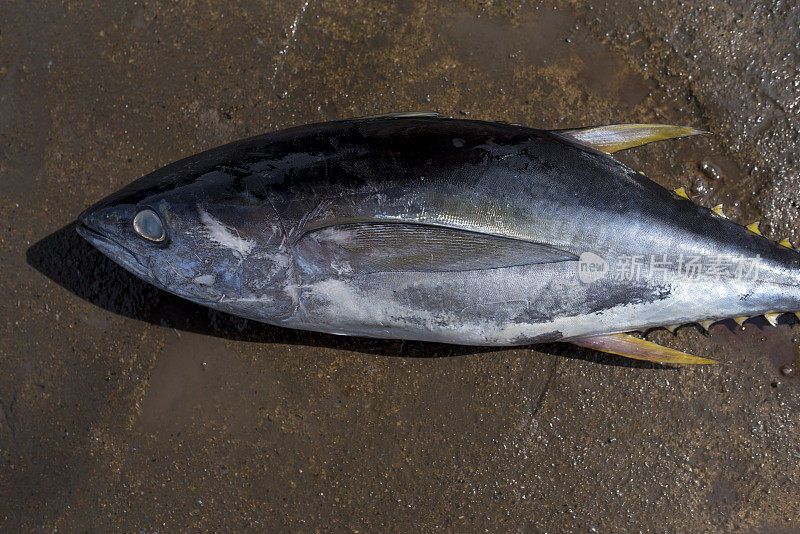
(710,169)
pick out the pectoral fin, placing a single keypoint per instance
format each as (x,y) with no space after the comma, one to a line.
(386,247)
(638,349)
(615,137)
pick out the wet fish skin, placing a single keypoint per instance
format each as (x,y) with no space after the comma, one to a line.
(290,228)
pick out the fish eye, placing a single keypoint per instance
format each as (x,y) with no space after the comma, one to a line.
(148,224)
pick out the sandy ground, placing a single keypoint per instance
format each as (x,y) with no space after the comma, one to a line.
(124,408)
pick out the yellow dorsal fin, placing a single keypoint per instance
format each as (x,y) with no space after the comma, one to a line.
(718,210)
(740,319)
(615,137)
(753,227)
(638,349)
(772,318)
(681,192)
(785,243)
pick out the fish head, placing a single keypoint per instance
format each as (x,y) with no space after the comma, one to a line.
(202,238)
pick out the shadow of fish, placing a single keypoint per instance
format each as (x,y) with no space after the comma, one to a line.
(416,227)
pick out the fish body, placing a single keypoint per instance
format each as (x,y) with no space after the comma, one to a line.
(446,230)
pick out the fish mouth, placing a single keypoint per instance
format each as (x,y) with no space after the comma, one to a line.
(111,248)
(92,236)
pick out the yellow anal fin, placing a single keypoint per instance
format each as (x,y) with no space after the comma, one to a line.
(638,349)
(615,137)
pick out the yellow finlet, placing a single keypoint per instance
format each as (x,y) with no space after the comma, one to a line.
(706,324)
(615,137)
(681,192)
(797,313)
(785,243)
(753,227)
(718,210)
(638,349)
(772,318)
(672,327)
(741,319)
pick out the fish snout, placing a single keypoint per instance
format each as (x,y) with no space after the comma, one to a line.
(107,229)
(107,220)
(88,226)
(94,219)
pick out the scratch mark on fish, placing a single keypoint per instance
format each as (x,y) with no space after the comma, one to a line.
(220,233)
(206,279)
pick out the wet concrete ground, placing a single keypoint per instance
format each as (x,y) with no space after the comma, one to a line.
(124,408)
